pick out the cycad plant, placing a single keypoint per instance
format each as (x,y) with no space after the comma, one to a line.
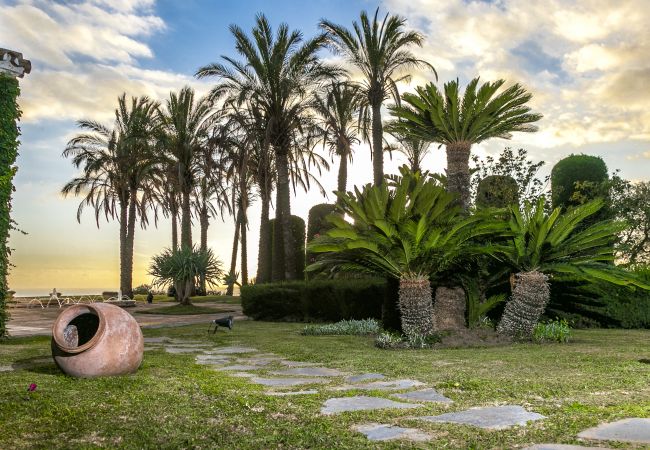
(409,230)
(184,268)
(459,122)
(557,245)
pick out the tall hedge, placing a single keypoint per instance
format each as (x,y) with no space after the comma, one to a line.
(317,225)
(575,177)
(9,116)
(297,225)
(497,191)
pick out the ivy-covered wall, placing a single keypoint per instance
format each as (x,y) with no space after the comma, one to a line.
(9,115)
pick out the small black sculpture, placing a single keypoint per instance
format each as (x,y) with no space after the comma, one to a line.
(149,297)
(225,322)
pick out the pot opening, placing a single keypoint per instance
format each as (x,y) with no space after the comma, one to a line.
(81,329)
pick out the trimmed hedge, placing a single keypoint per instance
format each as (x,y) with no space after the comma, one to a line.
(577,169)
(320,300)
(497,191)
(316,224)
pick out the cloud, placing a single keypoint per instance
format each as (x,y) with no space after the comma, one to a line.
(586,62)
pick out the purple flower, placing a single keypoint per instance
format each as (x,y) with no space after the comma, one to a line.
(32,387)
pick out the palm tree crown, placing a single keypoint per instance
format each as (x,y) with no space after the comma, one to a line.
(380,51)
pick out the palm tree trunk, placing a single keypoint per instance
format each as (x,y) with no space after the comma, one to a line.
(377,144)
(124,245)
(283,216)
(458,171)
(244,251)
(205,223)
(527,304)
(174,216)
(415,306)
(341,185)
(126,285)
(265,244)
(449,309)
(233,258)
(186,211)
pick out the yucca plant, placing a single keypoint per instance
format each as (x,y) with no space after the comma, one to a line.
(458,123)
(556,245)
(409,230)
(184,268)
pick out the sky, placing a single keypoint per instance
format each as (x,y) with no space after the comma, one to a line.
(587,63)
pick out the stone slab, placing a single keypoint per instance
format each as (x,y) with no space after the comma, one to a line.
(310,372)
(233,350)
(424,395)
(297,363)
(156,340)
(362,403)
(181,350)
(389,385)
(626,430)
(563,447)
(256,361)
(381,432)
(365,377)
(287,382)
(242,374)
(490,418)
(291,393)
(238,367)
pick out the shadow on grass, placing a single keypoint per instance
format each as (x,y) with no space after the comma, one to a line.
(39,364)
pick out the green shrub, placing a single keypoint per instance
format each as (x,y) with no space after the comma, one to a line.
(497,191)
(557,330)
(143,289)
(344,327)
(390,340)
(325,300)
(298,231)
(577,179)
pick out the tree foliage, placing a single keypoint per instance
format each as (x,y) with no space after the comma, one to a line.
(631,202)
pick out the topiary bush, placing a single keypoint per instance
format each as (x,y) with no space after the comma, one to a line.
(277,247)
(577,179)
(324,300)
(497,191)
(317,224)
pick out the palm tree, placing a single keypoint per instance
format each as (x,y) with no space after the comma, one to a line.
(118,165)
(413,147)
(276,74)
(186,124)
(458,123)
(338,109)
(380,52)
(555,245)
(409,231)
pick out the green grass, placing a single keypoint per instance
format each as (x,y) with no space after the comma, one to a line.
(173,403)
(183,310)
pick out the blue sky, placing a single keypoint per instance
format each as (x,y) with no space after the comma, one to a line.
(587,63)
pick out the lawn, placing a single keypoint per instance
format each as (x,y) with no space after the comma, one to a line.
(173,403)
(200,299)
(183,310)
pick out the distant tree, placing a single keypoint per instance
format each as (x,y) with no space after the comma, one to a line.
(459,122)
(380,50)
(414,148)
(117,167)
(514,165)
(631,202)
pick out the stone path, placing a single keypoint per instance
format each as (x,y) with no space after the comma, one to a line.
(286,378)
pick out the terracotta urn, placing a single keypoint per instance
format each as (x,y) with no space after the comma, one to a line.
(97,340)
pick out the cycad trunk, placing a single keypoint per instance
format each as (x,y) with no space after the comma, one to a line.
(415,306)
(233,258)
(449,309)
(342,181)
(377,144)
(184,291)
(264,252)
(283,217)
(205,223)
(529,298)
(458,171)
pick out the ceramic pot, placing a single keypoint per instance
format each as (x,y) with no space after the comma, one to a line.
(97,340)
